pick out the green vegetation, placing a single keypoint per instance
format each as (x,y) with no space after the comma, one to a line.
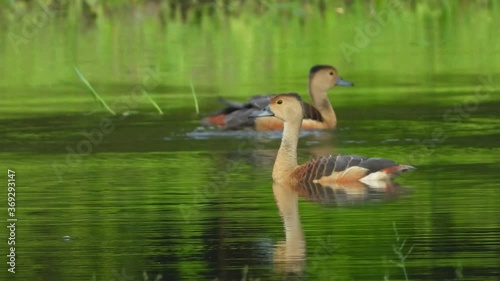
(194,11)
(247,48)
(154,103)
(196,107)
(397,249)
(97,97)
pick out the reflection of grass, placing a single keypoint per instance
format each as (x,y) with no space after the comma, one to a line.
(244,277)
(221,9)
(123,276)
(96,95)
(146,277)
(398,251)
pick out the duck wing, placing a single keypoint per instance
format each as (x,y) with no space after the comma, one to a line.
(258,101)
(235,114)
(239,119)
(310,112)
(348,168)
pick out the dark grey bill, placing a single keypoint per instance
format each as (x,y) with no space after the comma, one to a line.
(266,111)
(342,82)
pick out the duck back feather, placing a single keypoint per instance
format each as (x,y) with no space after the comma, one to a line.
(348,168)
(235,115)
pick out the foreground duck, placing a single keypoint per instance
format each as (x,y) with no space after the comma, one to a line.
(324,170)
(320,115)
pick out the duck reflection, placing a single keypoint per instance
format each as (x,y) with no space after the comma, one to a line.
(290,255)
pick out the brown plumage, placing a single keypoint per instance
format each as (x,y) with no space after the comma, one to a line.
(311,113)
(346,168)
(320,115)
(333,169)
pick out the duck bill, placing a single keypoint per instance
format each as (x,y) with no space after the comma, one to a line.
(265,112)
(342,82)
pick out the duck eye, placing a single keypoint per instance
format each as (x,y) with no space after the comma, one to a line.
(279,102)
(331,73)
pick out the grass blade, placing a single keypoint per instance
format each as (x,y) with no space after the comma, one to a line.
(153,102)
(195,98)
(96,95)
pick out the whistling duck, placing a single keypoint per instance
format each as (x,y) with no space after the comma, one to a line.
(318,116)
(328,169)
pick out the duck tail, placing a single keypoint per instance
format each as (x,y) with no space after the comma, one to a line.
(231,104)
(214,120)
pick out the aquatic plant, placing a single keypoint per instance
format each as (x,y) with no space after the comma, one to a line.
(97,97)
(153,102)
(195,98)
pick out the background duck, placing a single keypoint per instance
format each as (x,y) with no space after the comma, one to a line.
(320,115)
(323,170)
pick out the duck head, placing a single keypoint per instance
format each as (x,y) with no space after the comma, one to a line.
(324,77)
(286,107)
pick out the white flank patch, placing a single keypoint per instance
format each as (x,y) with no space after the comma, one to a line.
(376,180)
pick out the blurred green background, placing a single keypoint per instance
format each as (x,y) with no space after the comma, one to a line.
(229,47)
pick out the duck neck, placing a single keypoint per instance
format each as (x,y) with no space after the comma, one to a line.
(286,160)
(320,101)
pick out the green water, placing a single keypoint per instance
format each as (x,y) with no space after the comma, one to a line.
(103,197)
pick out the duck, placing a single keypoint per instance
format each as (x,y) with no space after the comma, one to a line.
(319,115)
(331,169)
